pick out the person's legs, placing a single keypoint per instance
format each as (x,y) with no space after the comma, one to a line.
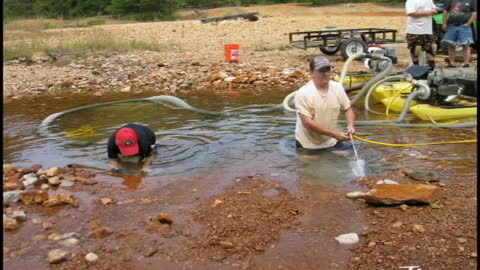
(466,55)
(451,54)
(450,37)
(411,44)
(465,38)
(427,43)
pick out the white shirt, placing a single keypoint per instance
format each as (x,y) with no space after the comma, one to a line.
(419,25)
(324,110)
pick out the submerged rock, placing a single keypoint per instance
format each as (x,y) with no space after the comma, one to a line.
(425,176)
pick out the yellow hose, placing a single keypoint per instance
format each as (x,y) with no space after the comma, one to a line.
(393,98)
(409,144)
(85,131)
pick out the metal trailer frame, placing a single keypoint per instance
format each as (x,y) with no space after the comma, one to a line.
(332,41)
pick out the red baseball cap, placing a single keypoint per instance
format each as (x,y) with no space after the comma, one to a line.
(127,141)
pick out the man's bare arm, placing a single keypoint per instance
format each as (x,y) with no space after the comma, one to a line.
(314,126)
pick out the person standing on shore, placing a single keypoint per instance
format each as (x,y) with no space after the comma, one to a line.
(132,143)
(457,20)
(420,29)
(318,104)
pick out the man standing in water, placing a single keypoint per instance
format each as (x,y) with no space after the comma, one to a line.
(132,143)
(318,104)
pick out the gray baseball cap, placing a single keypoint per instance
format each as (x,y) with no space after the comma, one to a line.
(319,62)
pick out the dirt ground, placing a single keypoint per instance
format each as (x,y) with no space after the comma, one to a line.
(193,54)
(251,222)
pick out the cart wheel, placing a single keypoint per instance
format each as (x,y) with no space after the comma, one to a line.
(352,46)
(329,50)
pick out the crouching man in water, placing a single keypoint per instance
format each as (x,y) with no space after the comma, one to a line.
(132,143)
(318,104)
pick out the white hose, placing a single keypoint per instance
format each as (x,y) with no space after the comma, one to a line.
(378,77)
(347,64)
(373,87)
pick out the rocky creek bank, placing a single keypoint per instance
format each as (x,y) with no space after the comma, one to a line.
(412,218)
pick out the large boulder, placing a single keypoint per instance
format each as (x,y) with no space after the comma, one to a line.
(384,194)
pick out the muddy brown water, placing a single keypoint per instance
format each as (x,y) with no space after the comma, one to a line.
(199,155)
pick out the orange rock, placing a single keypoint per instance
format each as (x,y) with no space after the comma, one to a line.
(67,199)
(34,196)
(164,218)
(101,232)
(385,194)
(13,185)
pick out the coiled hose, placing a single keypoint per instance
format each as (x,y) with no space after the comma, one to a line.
(406,77)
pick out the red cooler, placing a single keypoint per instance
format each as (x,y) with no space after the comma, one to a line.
(232,52)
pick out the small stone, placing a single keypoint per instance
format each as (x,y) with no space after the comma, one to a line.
(63,198)
(54,181)
(418,228)
(39,237)
(355,194)
(10,224)
(13,185)
(36,221)
(57,256)
(404,207)
(347,239)
(442,184)
(101,232)
(106,201)
(397,224)
(11,197)
(164,218)
(69,242)
(29,179)
(226,244)
(473,254)
(216,203)
(47,225)
(91,257)
(69,235)
(371,244)
(54,171)
(67,184)
(150,251)
(9,169)
(34,196)
(44,186)
(462,240)
(217,258)
(126,89)
(86,181)
(435,206)
(19,215)
(51,202)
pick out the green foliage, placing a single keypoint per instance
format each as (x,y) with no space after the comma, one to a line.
(143,10)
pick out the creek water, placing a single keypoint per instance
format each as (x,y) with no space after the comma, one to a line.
(198,156)
(255,139)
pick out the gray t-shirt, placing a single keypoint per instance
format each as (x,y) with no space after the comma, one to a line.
(460,11)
